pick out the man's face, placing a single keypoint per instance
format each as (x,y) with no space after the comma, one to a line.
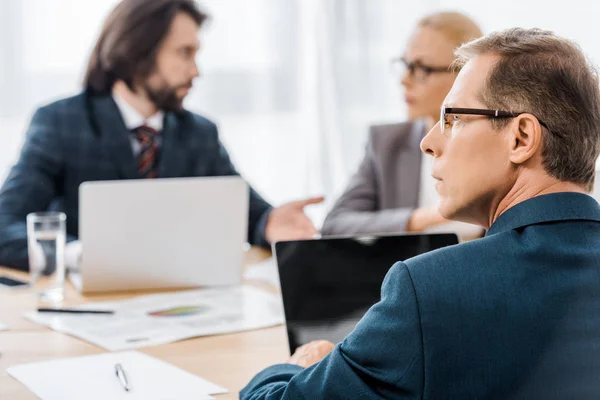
(471,159)
(176,66)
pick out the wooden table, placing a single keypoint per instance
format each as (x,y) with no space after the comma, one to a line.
(227,360)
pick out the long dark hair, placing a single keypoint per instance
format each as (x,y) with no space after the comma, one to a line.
(130,38)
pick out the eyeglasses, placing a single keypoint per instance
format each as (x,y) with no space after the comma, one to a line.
(416,69)
(446,120)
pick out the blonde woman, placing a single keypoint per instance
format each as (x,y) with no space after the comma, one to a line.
(393,190)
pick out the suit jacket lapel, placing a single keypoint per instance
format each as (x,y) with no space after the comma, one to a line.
(409,172)
(173,153)
(114,135)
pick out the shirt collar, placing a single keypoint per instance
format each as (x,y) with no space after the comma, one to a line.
(547,208)
(133,119)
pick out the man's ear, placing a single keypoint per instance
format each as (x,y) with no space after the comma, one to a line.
(526,138)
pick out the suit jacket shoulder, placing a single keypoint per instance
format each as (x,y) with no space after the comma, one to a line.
(474,258)
(382,137)
(199,121)
(70,106)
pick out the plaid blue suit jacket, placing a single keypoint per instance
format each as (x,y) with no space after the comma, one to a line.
(83,138)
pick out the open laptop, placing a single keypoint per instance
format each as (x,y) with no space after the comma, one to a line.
(327,285)
(161,233)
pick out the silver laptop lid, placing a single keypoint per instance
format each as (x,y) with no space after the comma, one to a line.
(162,233)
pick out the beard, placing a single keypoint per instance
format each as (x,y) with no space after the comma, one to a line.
(165,97)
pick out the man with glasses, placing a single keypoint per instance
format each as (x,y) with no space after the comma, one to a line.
(516,314)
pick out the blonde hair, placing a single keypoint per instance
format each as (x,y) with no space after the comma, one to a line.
(455,26)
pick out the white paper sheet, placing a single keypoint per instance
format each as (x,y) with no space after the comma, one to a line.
(164,318)
(93,377)
(265,271)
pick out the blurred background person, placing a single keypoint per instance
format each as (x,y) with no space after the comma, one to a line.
(393,190)
(129,122)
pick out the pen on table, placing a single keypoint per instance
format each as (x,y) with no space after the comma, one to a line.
(73,311)
(120,372)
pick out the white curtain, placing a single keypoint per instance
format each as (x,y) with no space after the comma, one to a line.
(292,84)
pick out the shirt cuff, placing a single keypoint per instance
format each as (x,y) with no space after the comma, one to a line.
(73,255)
(260,238)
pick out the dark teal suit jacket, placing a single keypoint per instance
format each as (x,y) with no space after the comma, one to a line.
(514,315)
(84,138)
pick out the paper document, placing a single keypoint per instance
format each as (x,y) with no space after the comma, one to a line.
(265,271)
(94,377)
(164,318)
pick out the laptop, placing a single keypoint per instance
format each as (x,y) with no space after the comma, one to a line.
(327,285)
(162,233)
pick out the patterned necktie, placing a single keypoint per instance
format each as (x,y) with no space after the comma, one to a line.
(148,157)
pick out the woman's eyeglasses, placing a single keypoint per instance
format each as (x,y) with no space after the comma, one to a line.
(447,115)
(416,69)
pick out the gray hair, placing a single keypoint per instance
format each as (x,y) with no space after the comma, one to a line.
(548,76)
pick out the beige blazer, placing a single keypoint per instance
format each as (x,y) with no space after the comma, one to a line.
(385,190)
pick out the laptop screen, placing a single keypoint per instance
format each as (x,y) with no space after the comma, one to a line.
(327,285)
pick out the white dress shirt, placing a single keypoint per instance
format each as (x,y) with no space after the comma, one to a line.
(133,119)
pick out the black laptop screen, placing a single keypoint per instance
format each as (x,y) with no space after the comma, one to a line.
(327,285)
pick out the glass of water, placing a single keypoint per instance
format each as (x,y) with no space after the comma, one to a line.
(46,235)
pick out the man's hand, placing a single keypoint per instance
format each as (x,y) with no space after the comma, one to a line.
(288,221)
(311,353)
(423,218)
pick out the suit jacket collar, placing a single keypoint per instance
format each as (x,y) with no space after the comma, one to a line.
(409,174)
(113,133)
(547,208)
(174,152)
(417,133)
